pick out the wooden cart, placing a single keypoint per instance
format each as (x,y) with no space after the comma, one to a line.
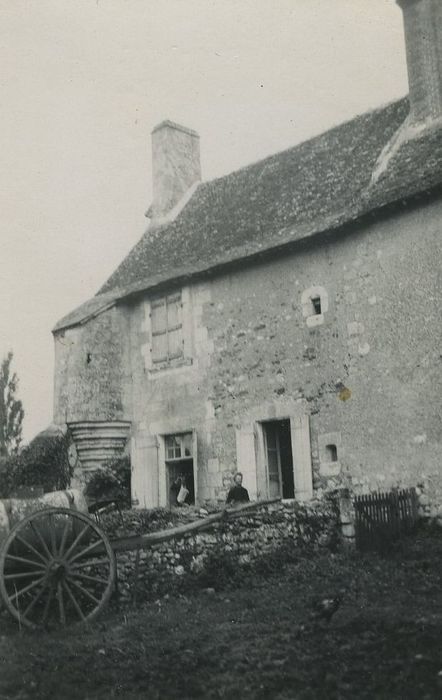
(56,564)
(57,567)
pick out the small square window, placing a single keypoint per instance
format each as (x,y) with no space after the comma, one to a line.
(331,453)
(316,306)
(314,302)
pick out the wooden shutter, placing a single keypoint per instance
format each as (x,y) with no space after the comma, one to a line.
(302,459)
(195,463)
(174,326)
(246,458)
(145,472)
(273,460)
(158,320)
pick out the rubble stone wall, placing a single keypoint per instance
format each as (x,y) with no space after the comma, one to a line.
(246,538)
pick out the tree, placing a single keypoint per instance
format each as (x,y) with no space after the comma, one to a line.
(11,410)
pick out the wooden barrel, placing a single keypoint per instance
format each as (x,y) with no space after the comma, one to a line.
(12,510)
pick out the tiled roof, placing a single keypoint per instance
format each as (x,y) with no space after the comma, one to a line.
(313,187)
(90,308)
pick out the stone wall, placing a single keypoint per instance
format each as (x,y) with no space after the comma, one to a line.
(92,370)
(364,375)
(242,540)
(367,375)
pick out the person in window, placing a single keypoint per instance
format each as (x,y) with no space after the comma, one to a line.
(181,495)
(237,493)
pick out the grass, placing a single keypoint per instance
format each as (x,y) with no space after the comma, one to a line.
(255,641)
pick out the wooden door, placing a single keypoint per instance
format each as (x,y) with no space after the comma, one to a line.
(273,459)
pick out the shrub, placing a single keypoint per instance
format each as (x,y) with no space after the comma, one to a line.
(137,522)
(221,569)
(44,462)
(110,482)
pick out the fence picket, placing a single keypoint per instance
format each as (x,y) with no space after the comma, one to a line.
(382,517)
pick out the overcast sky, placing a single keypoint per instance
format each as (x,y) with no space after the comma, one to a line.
(82,84)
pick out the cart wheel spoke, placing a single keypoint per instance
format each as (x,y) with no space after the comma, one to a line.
(86,577)
(74,601)
(77,540)
(27,574)
(86,551)
(38,534)
(71,583)
(23,560)
(27,588)
(85,592)
(52,535)
(61,603)
(47,605)
(33,602)
(64,537)
(32,549)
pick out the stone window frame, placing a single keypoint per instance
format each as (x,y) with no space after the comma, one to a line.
(329,468)
(308,299)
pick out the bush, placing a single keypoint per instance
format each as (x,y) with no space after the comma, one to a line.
(137,522)
(111,482)
(44,462)
(221,569)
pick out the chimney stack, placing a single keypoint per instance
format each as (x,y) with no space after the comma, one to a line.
(423,39)
(176,166)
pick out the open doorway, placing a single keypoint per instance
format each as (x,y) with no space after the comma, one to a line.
(279,458)
(180,467)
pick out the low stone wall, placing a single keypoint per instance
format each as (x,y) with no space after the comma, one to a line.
(241,540)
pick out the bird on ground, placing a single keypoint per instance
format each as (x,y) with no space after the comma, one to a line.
(324,608)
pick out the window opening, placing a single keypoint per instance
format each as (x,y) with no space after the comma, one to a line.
(180,467)
(279,459)
(167,328)
(331,452)
(316,304)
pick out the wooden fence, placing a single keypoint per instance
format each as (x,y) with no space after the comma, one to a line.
(381,518)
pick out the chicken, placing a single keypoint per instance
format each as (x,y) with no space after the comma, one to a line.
(325,608)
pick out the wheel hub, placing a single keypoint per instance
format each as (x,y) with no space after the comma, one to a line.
(57,569)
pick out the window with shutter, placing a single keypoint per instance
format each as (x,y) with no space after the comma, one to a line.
(167,328)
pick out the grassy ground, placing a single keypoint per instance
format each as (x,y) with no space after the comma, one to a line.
(257,641)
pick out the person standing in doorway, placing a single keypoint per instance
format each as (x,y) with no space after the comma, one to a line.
(180,491)
(237,493)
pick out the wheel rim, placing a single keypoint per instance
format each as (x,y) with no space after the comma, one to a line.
(56,568)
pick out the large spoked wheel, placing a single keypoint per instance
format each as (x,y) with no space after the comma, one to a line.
(56,568)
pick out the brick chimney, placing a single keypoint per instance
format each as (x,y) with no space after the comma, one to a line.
(176,167)
(423,38)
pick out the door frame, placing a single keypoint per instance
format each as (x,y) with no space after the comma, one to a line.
(162,465)
(301,455)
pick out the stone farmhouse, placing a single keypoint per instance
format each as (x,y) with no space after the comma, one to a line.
(283,320)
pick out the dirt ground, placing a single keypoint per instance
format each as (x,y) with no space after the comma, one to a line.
(256,640)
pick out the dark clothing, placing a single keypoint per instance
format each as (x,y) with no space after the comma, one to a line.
(238,494)
(175,488)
